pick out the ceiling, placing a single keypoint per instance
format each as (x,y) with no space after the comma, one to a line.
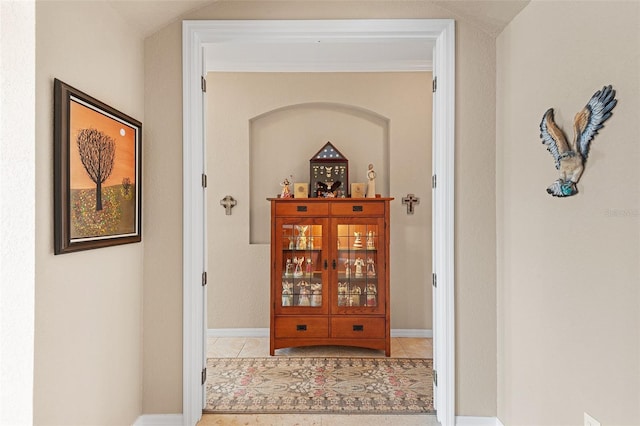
(149,16)
(490,15)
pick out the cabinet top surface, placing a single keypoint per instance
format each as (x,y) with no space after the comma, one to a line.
(330,200)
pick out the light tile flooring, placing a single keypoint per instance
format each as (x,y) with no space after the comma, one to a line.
(250,347)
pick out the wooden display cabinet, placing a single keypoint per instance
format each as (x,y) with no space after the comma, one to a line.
(330,273)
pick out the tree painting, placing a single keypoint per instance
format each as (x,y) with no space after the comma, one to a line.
(97,153)
(103,190)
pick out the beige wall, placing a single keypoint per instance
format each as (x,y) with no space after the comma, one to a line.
(366,116)
(569,279)
(475,196)
(88,325)
(17,210)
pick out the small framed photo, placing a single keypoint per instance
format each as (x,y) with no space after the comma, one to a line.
(97,173)
(357,190)
(301,190)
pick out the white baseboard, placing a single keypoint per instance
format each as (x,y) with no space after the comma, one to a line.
(159,420)
(264,332)
(238,332)
(477,421)
(412,332)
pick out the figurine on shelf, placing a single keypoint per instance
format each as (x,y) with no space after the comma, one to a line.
(370,242)
(355,296)
(371,267)
(371,187)
(301,242)
(372,298)
(347,268)
(309,268)
(288,269)
(286,191)
(303,299)
(357,241)
(310,243)
(359,263)
(297,272)
(343,298)
(287,293)
(316,294)
(291,245)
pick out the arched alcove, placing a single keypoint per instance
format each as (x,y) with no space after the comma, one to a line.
(282,141)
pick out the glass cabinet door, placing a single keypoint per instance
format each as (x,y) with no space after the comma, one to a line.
(360,263)
(302,267)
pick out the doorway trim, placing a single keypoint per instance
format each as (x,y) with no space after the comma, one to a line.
(196,36)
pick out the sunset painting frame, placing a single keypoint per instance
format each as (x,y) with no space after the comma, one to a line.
(97,173)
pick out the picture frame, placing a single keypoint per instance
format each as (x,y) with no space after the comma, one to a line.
(97,173)
(301,190)
(358,190)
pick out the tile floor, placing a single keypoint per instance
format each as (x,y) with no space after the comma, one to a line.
(249,347)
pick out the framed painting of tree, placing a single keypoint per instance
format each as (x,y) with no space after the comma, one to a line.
(97,173)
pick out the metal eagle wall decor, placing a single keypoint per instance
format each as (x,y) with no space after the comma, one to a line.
(570,158)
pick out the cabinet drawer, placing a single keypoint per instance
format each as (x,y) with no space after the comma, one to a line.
(302,209)
(302,327)
(354,209)
(358,328)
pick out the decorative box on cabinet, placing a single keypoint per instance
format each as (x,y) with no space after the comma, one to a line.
(330,272)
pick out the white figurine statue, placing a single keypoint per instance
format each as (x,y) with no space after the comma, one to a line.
(371,267)
(359,263)
(343,298)
(372,298)
(357,241)
(316,294)
(301,241)
(303,299)
(287,293)
(370,241)
(355,296)
(347,268)
(371,186)
(297,272)
(288,271)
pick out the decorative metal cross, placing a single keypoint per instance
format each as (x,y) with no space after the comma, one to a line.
(410,200)
(228,202)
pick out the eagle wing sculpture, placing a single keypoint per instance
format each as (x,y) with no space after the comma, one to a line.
(570,158)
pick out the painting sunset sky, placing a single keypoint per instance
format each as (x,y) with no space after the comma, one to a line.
(83,117)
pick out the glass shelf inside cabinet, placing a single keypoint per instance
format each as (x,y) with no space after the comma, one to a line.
(302,260)
(357,275)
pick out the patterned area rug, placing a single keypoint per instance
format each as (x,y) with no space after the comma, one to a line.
(320,385)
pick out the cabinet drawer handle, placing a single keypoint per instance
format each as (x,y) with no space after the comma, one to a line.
(358,327)
(301,208)
(301,327)
(326,264)
(357,208)
(333,263)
